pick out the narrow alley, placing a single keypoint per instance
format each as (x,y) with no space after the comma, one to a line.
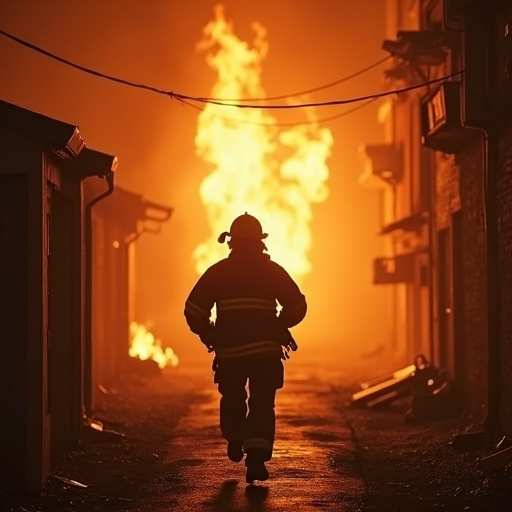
(328,457)
(217,179)
(313,466)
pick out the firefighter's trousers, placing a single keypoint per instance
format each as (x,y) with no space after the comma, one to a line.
(248,389)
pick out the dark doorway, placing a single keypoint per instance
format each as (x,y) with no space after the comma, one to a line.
(445,302)
(458,300)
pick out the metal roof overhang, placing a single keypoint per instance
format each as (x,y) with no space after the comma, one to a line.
(57,134)
(94,163)
(63,139)
(411,223)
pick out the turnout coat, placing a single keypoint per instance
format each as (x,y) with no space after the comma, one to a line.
(247,289)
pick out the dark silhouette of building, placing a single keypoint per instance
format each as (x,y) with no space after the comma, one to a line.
(42,270)
(445,176)
(116,224)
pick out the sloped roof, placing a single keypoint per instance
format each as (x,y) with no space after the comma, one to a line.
(64,139)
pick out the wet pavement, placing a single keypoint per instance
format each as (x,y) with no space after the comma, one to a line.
(314,466)
(328,456)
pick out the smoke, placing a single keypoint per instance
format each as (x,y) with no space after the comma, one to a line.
(310,43)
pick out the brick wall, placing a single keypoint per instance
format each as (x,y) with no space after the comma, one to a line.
(473,261)
(447,189)
(501,108)
(505,268)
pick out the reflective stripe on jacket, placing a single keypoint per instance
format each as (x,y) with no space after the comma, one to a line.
(246,290)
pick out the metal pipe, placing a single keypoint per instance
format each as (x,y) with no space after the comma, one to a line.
(88,394)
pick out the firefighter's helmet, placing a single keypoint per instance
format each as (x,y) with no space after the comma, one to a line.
(244,226)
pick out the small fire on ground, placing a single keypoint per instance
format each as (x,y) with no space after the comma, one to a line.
(144,346)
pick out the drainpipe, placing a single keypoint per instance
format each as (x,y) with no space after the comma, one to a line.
(88,292)
(476,46)
(156,214)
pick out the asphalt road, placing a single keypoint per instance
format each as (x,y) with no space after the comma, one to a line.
(328,457)
(314,465)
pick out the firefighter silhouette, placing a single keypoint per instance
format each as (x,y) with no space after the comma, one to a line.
(250,339)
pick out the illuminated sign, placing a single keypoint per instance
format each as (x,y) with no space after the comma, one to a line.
(441,119)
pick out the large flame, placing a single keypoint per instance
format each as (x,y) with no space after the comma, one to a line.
(274,174)
(144,345)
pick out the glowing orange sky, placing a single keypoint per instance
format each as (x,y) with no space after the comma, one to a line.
(312,42)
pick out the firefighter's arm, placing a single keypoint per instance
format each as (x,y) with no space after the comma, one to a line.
(198,320)
(292,300)
(293,312)
(197,312)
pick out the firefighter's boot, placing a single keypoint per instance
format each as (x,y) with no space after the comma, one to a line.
(235,451)
(256,469)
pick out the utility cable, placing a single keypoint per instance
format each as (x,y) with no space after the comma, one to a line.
(282,124)
(170,93)
(308,91)
(83,68)
(325,103)
(173,95)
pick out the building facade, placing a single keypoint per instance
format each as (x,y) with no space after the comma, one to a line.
(451,202)
(117,222)
(44,163)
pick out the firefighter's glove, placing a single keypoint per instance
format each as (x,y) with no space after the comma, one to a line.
(292,344)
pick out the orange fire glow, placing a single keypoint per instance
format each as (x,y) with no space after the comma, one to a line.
(273,172)
(144,345)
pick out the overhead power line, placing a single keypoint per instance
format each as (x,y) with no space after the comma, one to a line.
(326,119)
(235,103)
(182,96)
(307,91)
(325,103)
(83,68)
